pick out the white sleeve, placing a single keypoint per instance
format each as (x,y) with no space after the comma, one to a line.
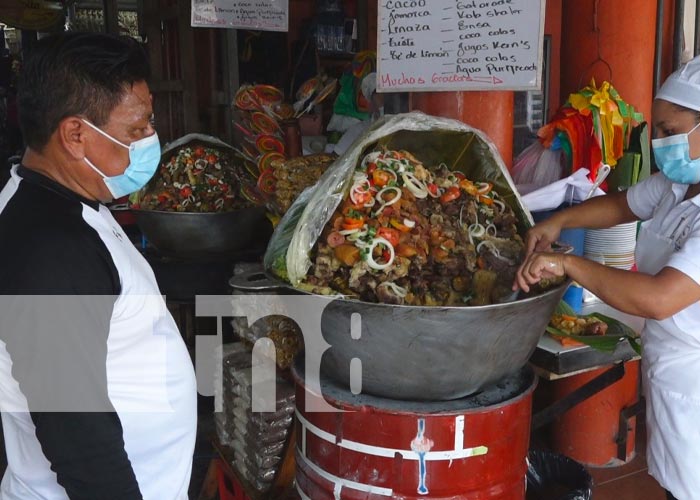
(645,196)
(686,259)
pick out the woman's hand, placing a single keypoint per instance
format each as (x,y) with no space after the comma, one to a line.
(541,236)
(539,266)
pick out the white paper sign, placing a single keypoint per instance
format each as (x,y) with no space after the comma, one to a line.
(432,45)
(266,15)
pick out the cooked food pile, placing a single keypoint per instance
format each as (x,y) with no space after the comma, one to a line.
(193,179)
(578,325)
(414,234)
(292,176)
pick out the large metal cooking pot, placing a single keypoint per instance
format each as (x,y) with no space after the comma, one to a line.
(212,236)
(425,353)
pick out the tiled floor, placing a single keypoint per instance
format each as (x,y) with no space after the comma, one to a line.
(630,481)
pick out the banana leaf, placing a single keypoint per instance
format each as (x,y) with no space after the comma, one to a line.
(617,332)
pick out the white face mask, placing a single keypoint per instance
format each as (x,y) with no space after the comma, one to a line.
(144,156)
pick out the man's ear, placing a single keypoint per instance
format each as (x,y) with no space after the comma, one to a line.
(71,133)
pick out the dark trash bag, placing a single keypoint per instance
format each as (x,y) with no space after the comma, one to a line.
(551,476)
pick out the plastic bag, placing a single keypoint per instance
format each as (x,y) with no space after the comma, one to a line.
(537,166)
(433,139)
(525,164)
(551,476)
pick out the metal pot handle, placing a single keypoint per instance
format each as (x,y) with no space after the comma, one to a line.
(254,281)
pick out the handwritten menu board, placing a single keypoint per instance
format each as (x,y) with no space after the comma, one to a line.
(432,45)
(267,15)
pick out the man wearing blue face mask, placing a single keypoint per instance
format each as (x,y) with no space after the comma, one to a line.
(97,389)
(665,291)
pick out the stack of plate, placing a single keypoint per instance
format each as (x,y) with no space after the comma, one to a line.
(613,246)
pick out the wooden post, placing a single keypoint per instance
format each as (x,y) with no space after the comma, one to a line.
(111,11)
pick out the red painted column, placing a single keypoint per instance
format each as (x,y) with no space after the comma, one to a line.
(489,111)
(626,29)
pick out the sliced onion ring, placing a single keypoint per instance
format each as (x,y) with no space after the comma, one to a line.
(370,258)
(483,187)
(399,291)
(391,201)
(414,185)
(501,206)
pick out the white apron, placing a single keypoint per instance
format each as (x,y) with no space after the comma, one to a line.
(671,366)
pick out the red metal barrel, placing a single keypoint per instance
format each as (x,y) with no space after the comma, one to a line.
(473,448)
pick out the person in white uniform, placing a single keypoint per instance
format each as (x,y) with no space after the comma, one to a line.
(666,288)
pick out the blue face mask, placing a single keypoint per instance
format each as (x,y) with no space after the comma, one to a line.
(144,156)
(672,155)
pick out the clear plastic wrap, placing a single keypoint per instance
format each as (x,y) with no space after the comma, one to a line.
(264,475)
(258,439)
(435,140)
(230,355)
(247,418)
(259,461)
(271,437)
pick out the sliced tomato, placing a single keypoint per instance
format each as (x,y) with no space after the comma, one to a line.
(450,195)
(459,175)
(381,177)
(389,234)
(371,167)
(350,224)
(186,192)
(485,200)
(199,152)
(363,197)
(433,189)
(212,159)
(267,181)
